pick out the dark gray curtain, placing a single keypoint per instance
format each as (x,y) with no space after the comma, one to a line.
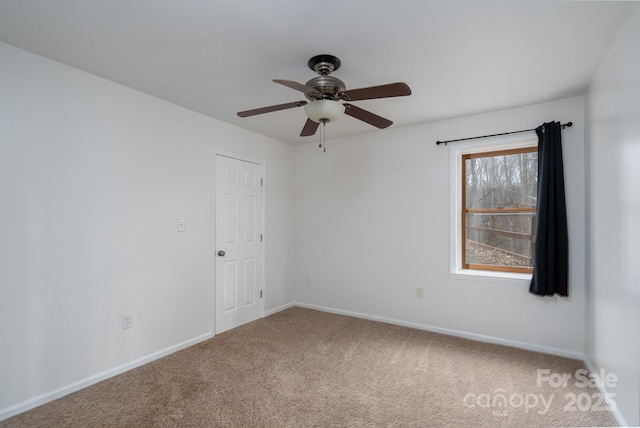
(551,255)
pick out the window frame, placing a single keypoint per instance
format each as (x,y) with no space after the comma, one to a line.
(465,210)
(457,151)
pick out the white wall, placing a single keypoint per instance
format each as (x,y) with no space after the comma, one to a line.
(93,177)
(613,303)
(372,223)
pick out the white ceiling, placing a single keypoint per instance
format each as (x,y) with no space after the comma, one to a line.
(218,57)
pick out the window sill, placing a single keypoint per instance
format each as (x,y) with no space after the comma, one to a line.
(505,277)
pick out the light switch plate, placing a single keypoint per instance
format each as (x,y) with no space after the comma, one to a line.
(180,225)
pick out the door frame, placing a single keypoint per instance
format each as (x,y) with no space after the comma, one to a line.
(212,251)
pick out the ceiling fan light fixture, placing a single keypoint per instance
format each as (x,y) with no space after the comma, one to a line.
(322,111)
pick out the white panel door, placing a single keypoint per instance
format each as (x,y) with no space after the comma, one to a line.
(238,249)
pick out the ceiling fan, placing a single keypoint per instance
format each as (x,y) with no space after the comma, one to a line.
(326,93)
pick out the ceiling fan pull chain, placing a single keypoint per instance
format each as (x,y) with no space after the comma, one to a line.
(322,133)
(324,137)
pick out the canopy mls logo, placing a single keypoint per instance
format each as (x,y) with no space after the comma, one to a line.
(500,402)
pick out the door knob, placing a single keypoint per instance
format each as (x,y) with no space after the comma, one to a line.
(221,253)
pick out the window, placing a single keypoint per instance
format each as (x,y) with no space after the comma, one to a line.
(494,195)
(499,209)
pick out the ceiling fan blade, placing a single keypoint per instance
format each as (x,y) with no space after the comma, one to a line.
(271,108)
(310,128)
(399,89)
(367,116)
(298,87)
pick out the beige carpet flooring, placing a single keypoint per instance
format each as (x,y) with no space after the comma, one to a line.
(304,368)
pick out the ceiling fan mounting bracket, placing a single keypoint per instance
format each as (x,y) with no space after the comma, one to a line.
(324,64)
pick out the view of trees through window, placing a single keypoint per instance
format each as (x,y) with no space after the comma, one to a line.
(499,209)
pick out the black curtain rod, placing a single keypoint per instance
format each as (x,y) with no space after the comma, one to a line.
(495,135)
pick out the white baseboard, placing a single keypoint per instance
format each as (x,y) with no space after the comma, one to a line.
(451,332)
(279,309)
(39,400)
(489,339)
(91,380)
(603,390)
(61,392)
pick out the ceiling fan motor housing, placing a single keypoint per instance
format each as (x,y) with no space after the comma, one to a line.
(330,86)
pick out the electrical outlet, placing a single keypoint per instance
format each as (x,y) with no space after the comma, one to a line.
(420,293)
(127,321)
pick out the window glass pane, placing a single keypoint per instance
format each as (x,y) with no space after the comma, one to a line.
(505,181)
(501,239)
